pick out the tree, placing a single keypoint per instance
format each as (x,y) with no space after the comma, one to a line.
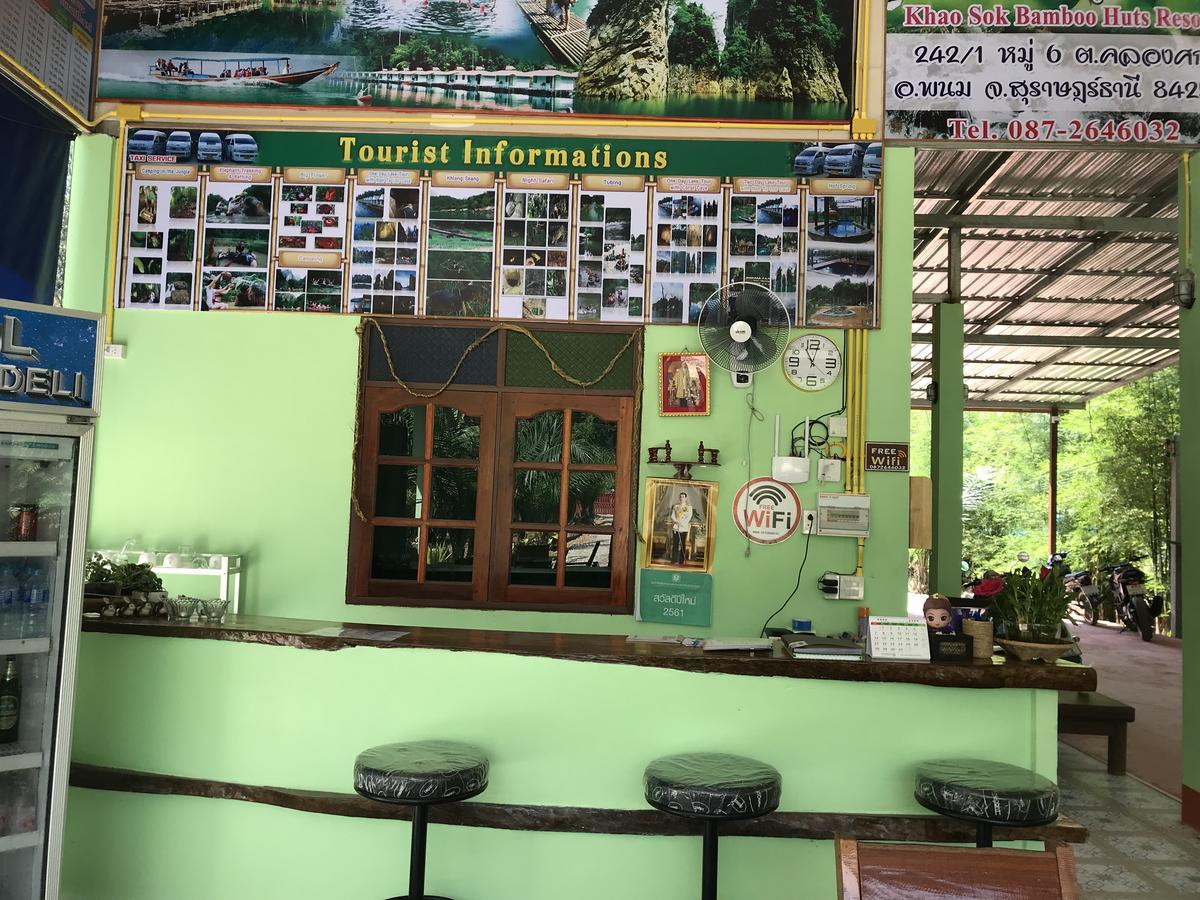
(692,40)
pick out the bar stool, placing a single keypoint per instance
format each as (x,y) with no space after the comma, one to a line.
(420,774)
(986,793)
(713,787)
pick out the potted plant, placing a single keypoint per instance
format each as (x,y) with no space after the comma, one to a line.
(103,577)
(1031,607)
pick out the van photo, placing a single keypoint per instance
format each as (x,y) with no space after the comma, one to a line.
(209,147)
(873,161)
(148,142)
(844,160)
(241,148)
(179,144)
(810,161)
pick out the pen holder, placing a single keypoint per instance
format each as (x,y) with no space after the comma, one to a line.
(981,630)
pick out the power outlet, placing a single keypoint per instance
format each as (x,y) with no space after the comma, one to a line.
(114,351)
(810,519)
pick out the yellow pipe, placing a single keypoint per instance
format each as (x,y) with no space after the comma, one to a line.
(114,237)
(851,386)
(862,411)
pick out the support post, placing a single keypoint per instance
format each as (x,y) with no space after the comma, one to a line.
(89,223)
(1053,498)
(947,438)
(1189,483)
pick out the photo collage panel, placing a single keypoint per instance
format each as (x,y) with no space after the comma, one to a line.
(310,243)
(236,248)
(687,255)
(611,270)
(460,259)
(840,263)
(534,254)
(764,243)
(385,246)
(160,245)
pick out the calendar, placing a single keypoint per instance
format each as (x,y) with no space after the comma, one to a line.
(897,637)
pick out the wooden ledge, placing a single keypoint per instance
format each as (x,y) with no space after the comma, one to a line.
(613,649)
(571,819)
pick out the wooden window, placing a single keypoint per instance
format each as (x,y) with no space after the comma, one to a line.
(506,495)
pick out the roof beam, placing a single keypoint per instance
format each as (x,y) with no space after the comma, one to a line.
(1094,273)
(1005,405)
(943,297)
(1068,342)
(1035,198)
(1146,370)
(974,180)
(1106,224)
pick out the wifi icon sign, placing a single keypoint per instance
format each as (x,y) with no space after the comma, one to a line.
(767,511)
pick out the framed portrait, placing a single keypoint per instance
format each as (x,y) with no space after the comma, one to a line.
(683,385)
(680,524)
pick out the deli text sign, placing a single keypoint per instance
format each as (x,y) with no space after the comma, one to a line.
(49,358)
(885,457)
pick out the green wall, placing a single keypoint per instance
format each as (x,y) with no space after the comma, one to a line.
(233,433)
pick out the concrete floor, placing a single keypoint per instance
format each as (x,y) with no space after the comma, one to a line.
(1147,676)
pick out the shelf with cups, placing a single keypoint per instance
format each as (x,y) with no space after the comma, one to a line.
(27,549)
(225,567)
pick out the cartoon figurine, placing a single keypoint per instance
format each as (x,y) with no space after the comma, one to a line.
(939,614)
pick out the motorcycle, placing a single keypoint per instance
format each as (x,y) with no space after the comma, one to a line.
(1129,593)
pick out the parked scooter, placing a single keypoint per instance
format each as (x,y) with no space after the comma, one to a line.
(1129,594)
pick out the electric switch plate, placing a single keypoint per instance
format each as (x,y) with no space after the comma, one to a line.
(837,426)
(850,587)
(114,351)
(829,470)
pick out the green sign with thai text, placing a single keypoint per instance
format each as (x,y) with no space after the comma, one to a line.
(676,598)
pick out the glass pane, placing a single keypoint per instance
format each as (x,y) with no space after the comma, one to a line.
(593,441)
(535,496)
(587,563)
(450,554)
(398,492)
(590,497)
(455,434)
(402,433)
(394,554)
(453,491)
(533,558)
(539,439)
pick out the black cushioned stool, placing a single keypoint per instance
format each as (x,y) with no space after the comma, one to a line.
(986,793)
(714,787)
(420,774)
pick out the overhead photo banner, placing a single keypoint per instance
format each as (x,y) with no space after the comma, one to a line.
(1044,71)
(728,60)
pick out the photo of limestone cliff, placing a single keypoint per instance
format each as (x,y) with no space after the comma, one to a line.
(723,60)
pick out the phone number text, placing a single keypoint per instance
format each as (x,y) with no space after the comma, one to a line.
(1139,131)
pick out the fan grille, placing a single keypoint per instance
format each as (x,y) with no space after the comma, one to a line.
(759,308)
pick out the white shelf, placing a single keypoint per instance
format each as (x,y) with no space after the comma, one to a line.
(164,570)
(28,548)
(18,646)
(18,756)
(20,841)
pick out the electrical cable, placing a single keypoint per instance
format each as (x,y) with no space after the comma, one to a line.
(754,413)
(799,573)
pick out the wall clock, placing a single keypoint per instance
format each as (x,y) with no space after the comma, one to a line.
(812,362)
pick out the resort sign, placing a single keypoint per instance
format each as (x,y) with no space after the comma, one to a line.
(718,60)
(1044,71)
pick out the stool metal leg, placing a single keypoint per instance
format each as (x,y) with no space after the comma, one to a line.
(708,890)
(983,834)
(416,863)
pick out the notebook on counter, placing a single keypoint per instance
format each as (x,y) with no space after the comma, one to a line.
(809,646)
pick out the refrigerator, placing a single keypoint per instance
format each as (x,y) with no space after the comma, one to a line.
(49,393)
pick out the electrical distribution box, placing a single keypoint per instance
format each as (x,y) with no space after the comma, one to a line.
(844,515)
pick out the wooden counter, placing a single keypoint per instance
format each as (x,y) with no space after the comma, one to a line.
(615,650)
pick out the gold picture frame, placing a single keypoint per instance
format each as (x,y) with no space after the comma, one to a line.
(669,545)
(684,384)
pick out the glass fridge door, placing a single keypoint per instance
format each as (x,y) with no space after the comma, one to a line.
(38,486)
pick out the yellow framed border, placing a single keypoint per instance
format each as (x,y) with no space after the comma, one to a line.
(655,515)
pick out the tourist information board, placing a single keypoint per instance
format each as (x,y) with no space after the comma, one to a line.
(1044,71)
(55,42)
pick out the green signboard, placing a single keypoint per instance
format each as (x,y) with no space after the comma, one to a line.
(676,598)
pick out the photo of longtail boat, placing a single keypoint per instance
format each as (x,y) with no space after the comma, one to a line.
(728,60)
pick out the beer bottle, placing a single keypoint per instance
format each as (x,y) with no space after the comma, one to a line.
(10,702)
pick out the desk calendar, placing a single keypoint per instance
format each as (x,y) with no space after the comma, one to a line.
(897,637)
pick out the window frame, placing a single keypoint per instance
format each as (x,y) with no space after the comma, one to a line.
(488,588)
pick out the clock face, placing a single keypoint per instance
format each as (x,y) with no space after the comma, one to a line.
(812,362)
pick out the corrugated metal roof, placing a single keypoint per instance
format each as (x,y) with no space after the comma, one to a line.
(1041,283)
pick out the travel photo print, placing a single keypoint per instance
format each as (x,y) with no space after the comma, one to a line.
(727,60)
(840,262)
(160,245)
(459,261)
(764,237)
(385,237)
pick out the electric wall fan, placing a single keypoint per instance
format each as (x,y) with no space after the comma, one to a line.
(743,329)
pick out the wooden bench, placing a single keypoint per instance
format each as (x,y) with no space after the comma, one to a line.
(1092,713)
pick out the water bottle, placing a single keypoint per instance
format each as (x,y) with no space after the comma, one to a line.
(10,626)
(34,622)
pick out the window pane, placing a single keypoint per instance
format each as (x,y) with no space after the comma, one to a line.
(450,554)
(398,492)
(402,433)
(395,552)
(534,554)
(535,496)
(593,441)
(453,493)
(590,498)
(588,564)
(455,434)
(539,439)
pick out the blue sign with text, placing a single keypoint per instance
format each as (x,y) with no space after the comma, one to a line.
(49,358)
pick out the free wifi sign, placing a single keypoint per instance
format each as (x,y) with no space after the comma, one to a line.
(767,511)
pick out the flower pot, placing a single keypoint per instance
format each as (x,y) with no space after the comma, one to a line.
(982,634)
(101,589)
(1028,651)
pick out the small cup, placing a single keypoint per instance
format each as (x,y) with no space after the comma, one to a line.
(182,608)
(213,610)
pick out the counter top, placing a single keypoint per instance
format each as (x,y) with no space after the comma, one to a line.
(610,649)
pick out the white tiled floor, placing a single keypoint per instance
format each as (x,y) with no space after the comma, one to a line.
(1137,848)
